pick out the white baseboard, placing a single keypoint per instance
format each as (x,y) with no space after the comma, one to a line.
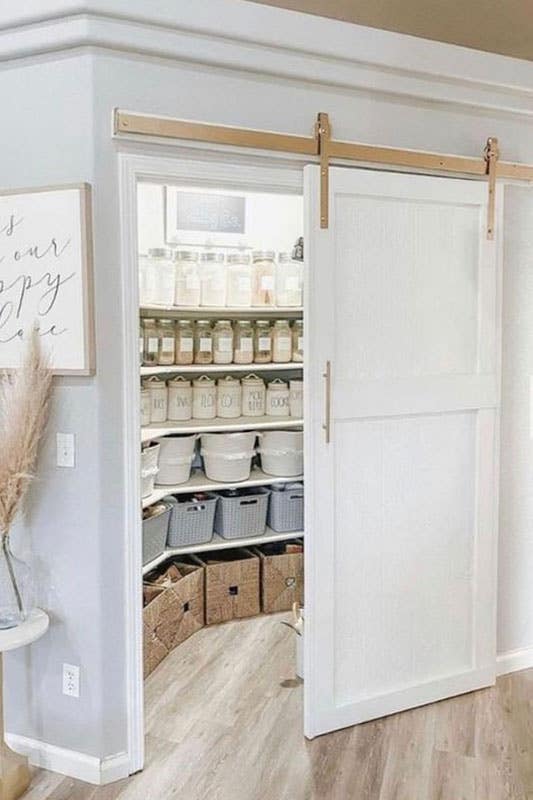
(86,768)
(514,660)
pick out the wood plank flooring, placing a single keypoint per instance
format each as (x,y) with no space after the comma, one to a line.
(223,722)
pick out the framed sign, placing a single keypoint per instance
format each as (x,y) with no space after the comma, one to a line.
(195,217)
(46,276)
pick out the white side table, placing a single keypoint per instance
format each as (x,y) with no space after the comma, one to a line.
(15,775)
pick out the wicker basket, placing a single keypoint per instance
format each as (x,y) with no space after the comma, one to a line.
(241,513)
(155,534)
(286,508)
(282,576)
(191,521)
(231,584)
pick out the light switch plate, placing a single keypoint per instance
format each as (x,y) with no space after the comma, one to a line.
(66,450)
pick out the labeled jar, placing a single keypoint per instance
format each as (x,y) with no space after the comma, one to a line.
(212,279)
(253,396)
(281,342)
(263,278)
(239,280)
(297,333)
(223,342)
(179,399)
(161,267)
(277,399)
(151,343)
(187,291)
(229,398)
(204,398)
(243,342)
(184,344)
(203,342)
(145,407)
(165,342)
(289,281)
(158,398)
(296,398)
(262,342)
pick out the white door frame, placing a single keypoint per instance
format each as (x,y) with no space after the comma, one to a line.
(209,167)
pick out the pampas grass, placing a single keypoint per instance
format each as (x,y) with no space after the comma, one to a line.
(24,404)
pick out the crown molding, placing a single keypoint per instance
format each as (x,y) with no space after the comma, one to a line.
(273,42)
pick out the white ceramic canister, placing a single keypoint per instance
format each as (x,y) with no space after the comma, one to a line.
(158,398)
(204,398)
(253,396)
(277,398)
(296,398)
(145,407)
(179,399)
(229,398)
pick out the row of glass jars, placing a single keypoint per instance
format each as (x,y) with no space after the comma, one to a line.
(180,399)
(192,279)
(165,342)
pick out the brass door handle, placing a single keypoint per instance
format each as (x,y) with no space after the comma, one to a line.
(327,424)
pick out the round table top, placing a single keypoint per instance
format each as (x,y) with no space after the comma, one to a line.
(27,632)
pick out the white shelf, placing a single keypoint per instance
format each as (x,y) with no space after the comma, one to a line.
(199,483)
(204,312)
(220,368)
(218,543)
(219,425)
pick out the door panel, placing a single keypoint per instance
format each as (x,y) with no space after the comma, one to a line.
(400,511)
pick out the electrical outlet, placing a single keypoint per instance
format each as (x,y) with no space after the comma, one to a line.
(71,680)
(65,450)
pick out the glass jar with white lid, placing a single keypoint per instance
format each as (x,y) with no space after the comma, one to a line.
(289,281)
(187,278)
(151,343)
(243,342)
(184,342)
(298,340)
(203,342)
(262,342)
(281,342)
(166,342)
(263,278)
(212,279)
(239,280)
(223,342)
(162,274)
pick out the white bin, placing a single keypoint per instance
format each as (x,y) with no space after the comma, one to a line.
(282,452)
(228,456)
(149,469)
(175,459)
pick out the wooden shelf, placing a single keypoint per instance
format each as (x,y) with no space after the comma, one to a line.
(218,425)
(222,312)
(218,543)
(221,368)
(199,483)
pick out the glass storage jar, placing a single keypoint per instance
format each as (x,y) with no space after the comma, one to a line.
(223,342)
(166,342)
(296,398)
(253,396)
(145,407)
(263,278)
(262,342)
(184,345)
(289,281)
(243,342)
(141,342)
(229,398)
(204,398)
(147,281)
(203,342)
(298,340)
(179,399)
(239,280)
(161,266)
(212,279)
(277,398)
(151,343)
(281,342)
(187,278)
(158,398)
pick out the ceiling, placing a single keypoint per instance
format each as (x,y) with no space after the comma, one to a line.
(497,26)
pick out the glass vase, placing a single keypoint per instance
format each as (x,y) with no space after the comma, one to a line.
(16,594)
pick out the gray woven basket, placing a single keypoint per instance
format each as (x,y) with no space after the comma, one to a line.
(155,534)
(191,522)
(286,508)
(242,516)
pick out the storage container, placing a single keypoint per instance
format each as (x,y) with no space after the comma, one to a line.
(262,342)
(149,468)
(191,521)
(222,342)
(158,398)
(161,266)
(213,279)
(155,529)
(184,345)
(187,278)
(147,281)
(263,278)
(253,396)
(231,584)
(179,399)
(166,334)
(154,651)
(175,459)
(145,407)
(286,508)
(282,452)
(239,280)
(241,512)
(297,334)
(204,398)
(281,342)
(282,575)
(277,398)
(296,398)
(228,456)
(203,342)
(243,342)
(150,343)
(229,398)
(289,281)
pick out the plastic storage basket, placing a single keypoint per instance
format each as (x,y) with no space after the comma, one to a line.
(228,456)
(286,508)
(175,459)
(241,514)
(149,468)
(191,521)
(155,534)
(282,452)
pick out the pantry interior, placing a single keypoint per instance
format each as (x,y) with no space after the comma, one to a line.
(221,352)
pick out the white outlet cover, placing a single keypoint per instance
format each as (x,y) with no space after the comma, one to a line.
(71,680)
(65,450)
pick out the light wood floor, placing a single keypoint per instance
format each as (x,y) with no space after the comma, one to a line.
(223,717)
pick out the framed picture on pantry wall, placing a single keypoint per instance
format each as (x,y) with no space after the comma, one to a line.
(197,217)
(46,276)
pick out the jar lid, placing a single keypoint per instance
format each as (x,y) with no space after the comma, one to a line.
(277,383)
(263,255)
(228,379)
(281,322)
(185,255)
(244,322)
(204,380)
(262,322)
(203,322)
(252,379)
(179,380)
(159,252)
(212,257)
(184,322)
(149,320)
(167,322)
(223,322)
(238,258)
(153,380)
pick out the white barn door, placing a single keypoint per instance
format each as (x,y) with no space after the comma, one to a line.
(403,296)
